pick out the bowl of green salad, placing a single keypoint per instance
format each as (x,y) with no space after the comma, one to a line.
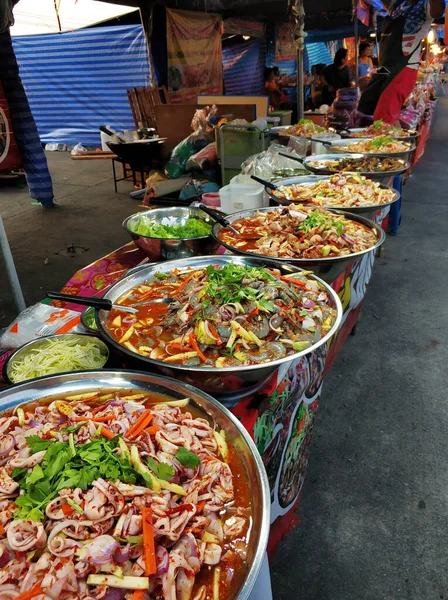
(172,233)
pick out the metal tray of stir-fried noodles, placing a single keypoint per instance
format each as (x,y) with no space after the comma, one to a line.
(133,381)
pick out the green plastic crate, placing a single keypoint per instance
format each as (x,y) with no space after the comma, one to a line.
(285,116)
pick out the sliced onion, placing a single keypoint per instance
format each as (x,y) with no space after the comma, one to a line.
(307,303)
(347,238)
(122,554)
(5,557)
(162,560)
(7,444)
(227,312)
(276,329)
(101,549)
(129,320)
(208,331)
(182,341)
(114,594)
(308,322)
(240,318)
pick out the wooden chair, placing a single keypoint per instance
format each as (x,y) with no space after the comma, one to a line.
(142,102)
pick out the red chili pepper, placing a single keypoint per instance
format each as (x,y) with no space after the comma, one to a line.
(254,313)
(180,508)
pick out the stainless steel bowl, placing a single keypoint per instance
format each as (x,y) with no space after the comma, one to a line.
(328,269)
(157,249)
(324,170)
(210,379)
(23,351)
(410,138)
(366,211)
(133,381)
(335,148)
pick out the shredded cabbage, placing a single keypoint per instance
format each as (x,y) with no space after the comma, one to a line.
(57,356)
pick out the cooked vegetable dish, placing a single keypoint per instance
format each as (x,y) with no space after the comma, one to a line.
(366,164)
(382,143)
(381,128)
(193,228)
(224,316)
(299,232)
(305,127)
(115,496)
(338,191)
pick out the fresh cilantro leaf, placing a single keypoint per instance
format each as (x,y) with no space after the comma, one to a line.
(73,428)
(57,456)
(162,275)
(36,474)
(17,473)
(187,458)
(303,313)
(161,469)
(266,304)
(37,444)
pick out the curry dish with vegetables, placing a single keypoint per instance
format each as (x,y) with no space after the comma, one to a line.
(119,497)
(299,231)
(223,316)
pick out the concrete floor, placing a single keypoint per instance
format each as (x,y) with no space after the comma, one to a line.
(375,501)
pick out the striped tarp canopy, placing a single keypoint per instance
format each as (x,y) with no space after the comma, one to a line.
(77,81)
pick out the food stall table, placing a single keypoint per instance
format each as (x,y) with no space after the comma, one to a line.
(280,415)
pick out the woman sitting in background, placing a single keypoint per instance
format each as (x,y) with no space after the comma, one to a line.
(272,89)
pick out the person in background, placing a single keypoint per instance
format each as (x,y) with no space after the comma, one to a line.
(25,131)
(336,76)
(365,64)
(272,88)
(408,24)
(317,85)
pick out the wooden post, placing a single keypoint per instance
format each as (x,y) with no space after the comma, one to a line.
(146,17)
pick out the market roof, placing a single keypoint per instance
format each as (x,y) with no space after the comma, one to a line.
(39,17)
(320,14)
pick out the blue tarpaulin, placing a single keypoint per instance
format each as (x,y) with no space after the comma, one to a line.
(77,81)
(243,65)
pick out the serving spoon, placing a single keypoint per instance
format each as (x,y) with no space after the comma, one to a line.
(218,218)
(99,303)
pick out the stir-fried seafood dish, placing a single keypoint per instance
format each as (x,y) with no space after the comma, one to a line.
(299,232)
(382,143)
(381,128)
(119,497)
(223,316)
(338,191)
(305,127)
(366,164)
